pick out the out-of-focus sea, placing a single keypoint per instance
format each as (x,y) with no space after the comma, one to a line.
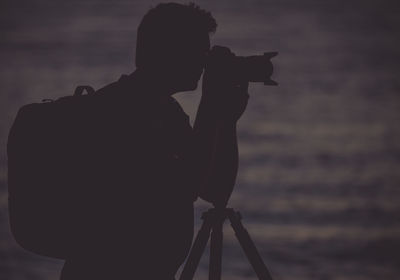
(319,179)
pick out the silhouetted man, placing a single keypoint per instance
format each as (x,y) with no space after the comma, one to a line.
(146,165)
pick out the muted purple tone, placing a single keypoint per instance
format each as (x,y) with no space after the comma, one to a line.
(319,180)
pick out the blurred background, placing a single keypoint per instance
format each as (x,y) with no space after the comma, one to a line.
(319,179)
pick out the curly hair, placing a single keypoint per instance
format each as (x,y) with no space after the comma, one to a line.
(167,24)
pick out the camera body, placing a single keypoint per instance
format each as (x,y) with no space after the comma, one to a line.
(256,68)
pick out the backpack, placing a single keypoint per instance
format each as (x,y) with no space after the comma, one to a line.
(42,149)
(63,155)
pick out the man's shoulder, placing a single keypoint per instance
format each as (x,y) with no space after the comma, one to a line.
(120,97)
(127,98)
(114,90)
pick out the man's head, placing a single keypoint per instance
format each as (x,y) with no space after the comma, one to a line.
(172,43)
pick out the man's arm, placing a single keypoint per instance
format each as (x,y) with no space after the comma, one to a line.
(216,156)
(216,149)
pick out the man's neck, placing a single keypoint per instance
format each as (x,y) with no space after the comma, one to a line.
(153,84)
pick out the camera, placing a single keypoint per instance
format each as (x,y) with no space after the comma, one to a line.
(255,68)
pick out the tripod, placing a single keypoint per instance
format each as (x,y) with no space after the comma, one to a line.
(213,223)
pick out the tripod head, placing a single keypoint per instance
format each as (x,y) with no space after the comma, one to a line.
(220,205)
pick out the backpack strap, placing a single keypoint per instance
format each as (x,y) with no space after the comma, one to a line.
(79,90)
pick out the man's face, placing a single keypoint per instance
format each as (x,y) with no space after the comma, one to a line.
(188,62)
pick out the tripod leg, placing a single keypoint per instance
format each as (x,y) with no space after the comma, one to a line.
(216,250)
(197,249)
(248,246)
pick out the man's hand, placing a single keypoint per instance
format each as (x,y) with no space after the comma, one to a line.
(225,98)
